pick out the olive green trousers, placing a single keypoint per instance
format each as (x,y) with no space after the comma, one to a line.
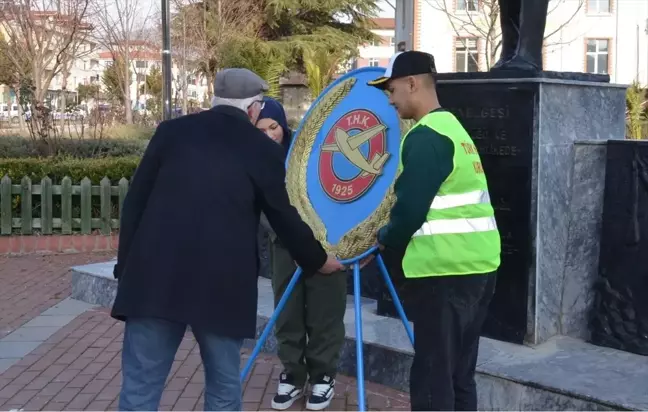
(310,329)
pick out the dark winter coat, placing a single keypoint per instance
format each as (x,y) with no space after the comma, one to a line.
(188,237)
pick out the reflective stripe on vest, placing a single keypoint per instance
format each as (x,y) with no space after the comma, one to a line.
(462,199)
(445,226)
(460,233)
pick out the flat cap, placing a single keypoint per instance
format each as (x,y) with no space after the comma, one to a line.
(238,84)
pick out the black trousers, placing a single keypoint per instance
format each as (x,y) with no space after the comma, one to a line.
(448,313)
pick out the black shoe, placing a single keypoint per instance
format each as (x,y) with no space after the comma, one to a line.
(500,63)
(518,63)
(322,392)
(287,393)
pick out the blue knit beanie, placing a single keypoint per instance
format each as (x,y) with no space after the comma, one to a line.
(275,111)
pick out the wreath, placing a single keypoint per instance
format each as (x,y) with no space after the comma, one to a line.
(361,237)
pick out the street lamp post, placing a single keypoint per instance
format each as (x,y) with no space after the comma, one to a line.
(404,23)
(166,60)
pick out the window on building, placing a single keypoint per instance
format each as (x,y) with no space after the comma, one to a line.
(598,6)
(373,62)
(467,5)
(597,56)
(466,54)
(141,64)
(392,42)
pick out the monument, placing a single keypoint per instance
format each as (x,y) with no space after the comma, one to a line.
(543,138)
(523,24)
(620,313)
(525,123)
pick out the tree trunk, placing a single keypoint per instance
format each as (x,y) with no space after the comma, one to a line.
(128,109)
(210,83)
(64,74)
(39,95)
(128,104)
(139,94)
(185,86)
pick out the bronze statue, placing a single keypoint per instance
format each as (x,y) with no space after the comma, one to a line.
(523,24)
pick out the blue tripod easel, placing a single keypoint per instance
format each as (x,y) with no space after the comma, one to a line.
(355,262)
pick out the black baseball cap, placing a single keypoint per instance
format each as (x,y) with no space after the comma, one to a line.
(403,64)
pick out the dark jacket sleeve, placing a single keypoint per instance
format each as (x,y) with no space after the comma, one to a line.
(136,199)
(294,234)
(427,162)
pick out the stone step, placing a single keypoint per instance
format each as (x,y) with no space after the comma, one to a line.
(560,374)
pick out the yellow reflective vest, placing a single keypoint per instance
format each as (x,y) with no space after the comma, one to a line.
(459,236)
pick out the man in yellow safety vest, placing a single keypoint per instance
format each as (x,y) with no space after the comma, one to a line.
(441,237)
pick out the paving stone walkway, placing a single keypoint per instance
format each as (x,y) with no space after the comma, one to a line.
(31,284)
(77,367)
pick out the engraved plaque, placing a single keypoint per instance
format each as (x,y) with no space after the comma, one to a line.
(500,121)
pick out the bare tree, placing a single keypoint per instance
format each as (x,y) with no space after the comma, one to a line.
(81,47)
(482,20)
(122,30)
(42,38)
(202,29)
(180,42)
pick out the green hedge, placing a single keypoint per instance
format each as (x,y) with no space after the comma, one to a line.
(57,168)
(20,147)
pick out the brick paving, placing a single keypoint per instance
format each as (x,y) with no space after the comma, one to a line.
(30,284)
(78,368)
(58,244)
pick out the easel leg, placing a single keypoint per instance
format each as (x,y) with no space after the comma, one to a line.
(394,296)
(359,341)
(271,323)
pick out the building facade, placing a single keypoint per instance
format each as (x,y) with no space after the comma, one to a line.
(88,68)
(378,52)
(144,57)
(594,36)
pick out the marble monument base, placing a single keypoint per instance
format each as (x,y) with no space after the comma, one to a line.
(547,204)
(562,373)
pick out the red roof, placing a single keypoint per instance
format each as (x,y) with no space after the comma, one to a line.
(134,55)
(62,18)
(384,23)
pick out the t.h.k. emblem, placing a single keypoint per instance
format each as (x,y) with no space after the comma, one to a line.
(352,155)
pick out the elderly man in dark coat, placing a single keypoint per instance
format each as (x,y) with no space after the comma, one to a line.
(188,243)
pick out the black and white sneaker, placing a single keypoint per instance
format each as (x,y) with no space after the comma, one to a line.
(322,392)
(287,393)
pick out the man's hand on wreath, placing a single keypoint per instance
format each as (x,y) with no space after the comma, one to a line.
(331,265)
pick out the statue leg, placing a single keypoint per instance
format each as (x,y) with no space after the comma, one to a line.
(533,18)
(510,25)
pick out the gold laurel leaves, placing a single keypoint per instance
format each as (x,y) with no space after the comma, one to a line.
(361,237)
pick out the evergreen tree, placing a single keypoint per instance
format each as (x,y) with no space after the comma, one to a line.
(111,80)
(153,83)
(276,35)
